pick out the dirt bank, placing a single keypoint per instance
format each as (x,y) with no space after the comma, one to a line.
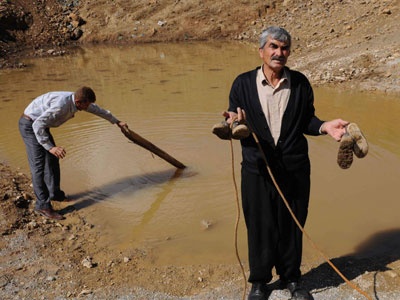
(352,44)
(45,259)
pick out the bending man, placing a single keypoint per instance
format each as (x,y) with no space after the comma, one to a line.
(46,111)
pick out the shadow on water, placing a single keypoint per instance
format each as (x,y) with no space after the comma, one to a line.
(94,196)
(373,255)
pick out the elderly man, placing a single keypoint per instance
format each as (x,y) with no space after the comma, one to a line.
(46,111)
(278,105)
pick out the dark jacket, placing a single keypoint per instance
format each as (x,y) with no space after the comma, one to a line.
(291,151)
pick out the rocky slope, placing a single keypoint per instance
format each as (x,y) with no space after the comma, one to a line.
(351,43)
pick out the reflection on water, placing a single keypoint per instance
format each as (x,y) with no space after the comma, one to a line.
(172,95)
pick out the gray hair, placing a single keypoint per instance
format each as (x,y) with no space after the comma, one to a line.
(276,33)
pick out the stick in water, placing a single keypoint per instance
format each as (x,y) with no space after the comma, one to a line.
(137,139)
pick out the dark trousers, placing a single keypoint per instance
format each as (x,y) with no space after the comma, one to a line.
(274,240)
(44,166)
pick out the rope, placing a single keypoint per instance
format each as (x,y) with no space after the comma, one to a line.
(301,227)
(237,221)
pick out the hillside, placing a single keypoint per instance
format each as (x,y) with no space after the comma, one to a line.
(352,43)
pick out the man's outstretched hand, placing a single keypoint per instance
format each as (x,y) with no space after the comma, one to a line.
(335,128)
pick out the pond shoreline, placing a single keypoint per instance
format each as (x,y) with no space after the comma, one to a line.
(44,258)
(350,45)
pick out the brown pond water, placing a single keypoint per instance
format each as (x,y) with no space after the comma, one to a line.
(172,95)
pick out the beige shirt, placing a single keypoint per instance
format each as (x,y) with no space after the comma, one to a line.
(273,100)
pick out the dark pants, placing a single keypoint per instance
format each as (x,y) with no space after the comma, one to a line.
(44,166)
(274,240)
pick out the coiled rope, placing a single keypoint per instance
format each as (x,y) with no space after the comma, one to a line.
(348,282)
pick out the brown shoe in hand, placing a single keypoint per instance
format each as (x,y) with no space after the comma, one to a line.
(345,153)
(222,130)
(360,146)
(49,213)
(240,130)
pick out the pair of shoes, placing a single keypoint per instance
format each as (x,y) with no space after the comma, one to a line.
(353,141)
(297,292)
(238,130)
(49,213)
(258,291)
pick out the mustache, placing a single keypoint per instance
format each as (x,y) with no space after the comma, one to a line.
(279,58)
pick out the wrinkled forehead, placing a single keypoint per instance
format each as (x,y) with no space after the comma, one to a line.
(277,42)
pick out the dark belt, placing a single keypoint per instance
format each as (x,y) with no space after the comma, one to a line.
(26,117)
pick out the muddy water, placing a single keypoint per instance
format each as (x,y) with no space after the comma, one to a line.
(172,95)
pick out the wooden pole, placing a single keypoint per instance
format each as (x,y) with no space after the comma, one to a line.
(137,139)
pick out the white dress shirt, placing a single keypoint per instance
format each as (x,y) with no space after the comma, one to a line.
(55,108)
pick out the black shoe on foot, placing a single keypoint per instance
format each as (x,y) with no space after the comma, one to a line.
(63,199)
(49,213)
(297,292)
(258,291)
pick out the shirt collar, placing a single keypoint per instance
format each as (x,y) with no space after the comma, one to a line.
(75,109)
(264,82)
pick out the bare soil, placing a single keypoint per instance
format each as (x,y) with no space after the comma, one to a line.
(351,44)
